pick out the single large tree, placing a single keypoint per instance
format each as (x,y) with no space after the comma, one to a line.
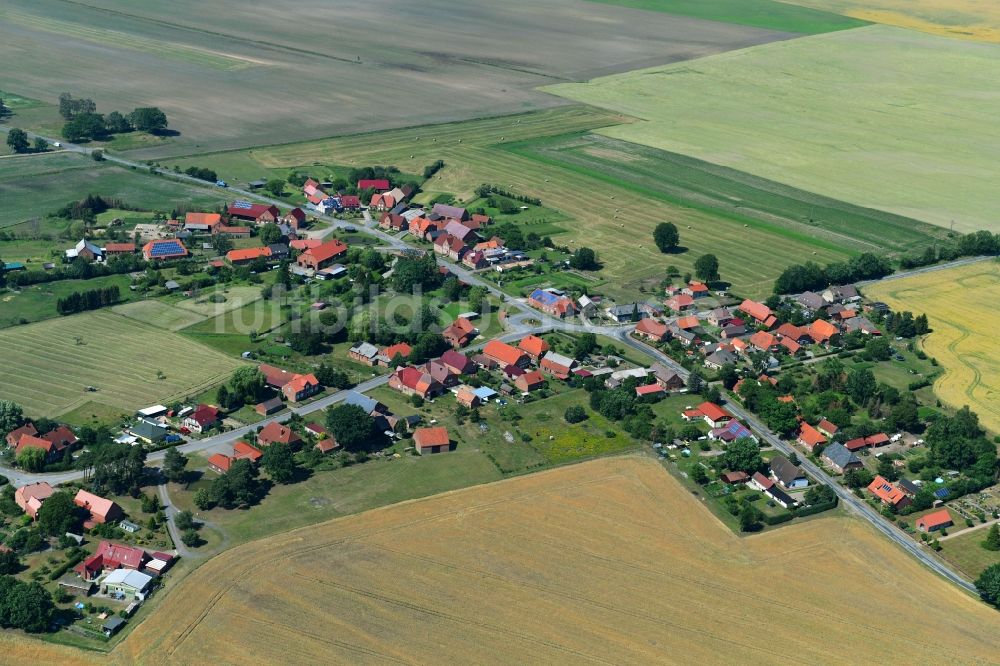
(988,584)
(174,463)
(17,139)
(706,268)
(11,416)
(148,119)
(743,455)
(352,427)
(248,383)
(279,462)
(992,540)
(59,514)
(666,236)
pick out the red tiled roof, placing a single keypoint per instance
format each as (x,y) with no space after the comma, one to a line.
(276,432)
(810,436)
(248,254)
(243,450)
(373,183)
(649,389)
(427,437)
(502,352)
(533,345)
(885,491)
(713,411)
(211,219)
(758,311)
(327,250)
(400,348)
(934,520)
(821,330)
(327,445)
(685,323)
(32,442)
(826,426)
(220,461)
(762,340)
(119,247)
(305,243)
(652,327)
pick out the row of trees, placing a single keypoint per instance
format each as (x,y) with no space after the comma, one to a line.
(968,245)
(810,276)
(18,142)
(92,299)
(83,121)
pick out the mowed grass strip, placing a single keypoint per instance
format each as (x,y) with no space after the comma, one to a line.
(959,303)
(582,564)
(159,314)
(880,117)
(769,14)
(47,371)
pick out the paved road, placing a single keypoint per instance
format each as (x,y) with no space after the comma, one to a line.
(517,322)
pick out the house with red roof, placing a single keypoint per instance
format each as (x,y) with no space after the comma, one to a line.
(14,435)
(412,381)
(687,323)
(557,365)
(530,381)
(304,243)
(760,312)
(202,221)
(888,494)
(449,246)
(204,417)
(762,341)
(110,556)
(457,363)
(377,184)
(533,346)
(475,260)
(822,332)
(247,255)
(382,202)
(350,202)
(61,437)
(220,463)
(652,330)
(680,302)
(295,218)
(431,440)
(827,428)
(322,255)
(649,390)
(301,387)
(31,496)
(52,450)
(552,303)
(392,351)
(711,413)
(111,249)
(257,213)
(503,354)
(244,451)
(811,438)
(275,432)
(460,332)
(164,250)
(393,222)
(101,510)
(936,521)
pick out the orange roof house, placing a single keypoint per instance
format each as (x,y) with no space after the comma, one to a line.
(887,493)
(247,255)
(32,442)
(714,415)
(935,521)
(687,323)
(322,255)
(758,311)
(504,354)
(398,349)
(763,340)
(30,497)
(101,510)
(14,435)
(460,332)
(466,397)
(821,331)
(242,450)
(811,438)
(301,387)
(206,219)
(651,329)
(533,346)
(431,440)
(530,381)
(219,463)
(412,381)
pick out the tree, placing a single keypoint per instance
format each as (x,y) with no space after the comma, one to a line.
(118,467)
(174,463)
(248,383)
(85,126)
(40,145)
(743,455)
(861,386)
(575,414)
(184,520)
(905,415)
(584,346)
(992,540)
(478,298)
(750,517)
(148,119)
(858,478)
(820,494)
(988,584)
(352,427)
(695,381)
(9,564)
(584,259)
(728,375)
(117,123)
(17,139)
(59,514)
(666,236)
(31,459)
(698,475)
(26,606)
(279,462)
(275,186)
(69,108)
(270,234)
(203,499)
(706,267)
(11,416)
(191,538)
(238,487)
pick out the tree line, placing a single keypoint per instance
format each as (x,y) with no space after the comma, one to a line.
(485,190)
(92,299)
(810,276)
(83,121)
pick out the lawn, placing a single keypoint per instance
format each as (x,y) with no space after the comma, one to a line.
(911,136)
(38,301)
(48,365)
(962,331)
(34,186)
(770,14)
(208,304)
(965,553)
(159,314)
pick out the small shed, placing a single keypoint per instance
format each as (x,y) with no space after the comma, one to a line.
(113,625)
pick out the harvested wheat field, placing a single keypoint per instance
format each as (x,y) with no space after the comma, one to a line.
(958,303)
(605,562)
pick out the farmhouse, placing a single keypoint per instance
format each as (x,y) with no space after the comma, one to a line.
(322,255)
(275,432)
(731,432)
(127,583)
(840,458)
(251,212)
(810,438)
(680,302)
(460,333)
(52,449)
(411,381)
(666,377)
(301,387)
(766,485)
(457,363)
(110,556)
(450,212)
(758,311)
(652,330)
(734,478)
(552,303)
(101,510)
(533,346)
(648,390)
(625,313)
(711,413)
(822,332)
(389,354)
(530,381)
(164,250)
(503,354)
(717,359)
(147,431)
(377,184)
(787,474)
(114,249)
(938,520)
(204,417)
(14,435)
(557,365)
(233,232)
(30,497)
(202,222)
(827,428)
(431,440)
(365,352)
(248,255)
(888,494)
(85,250)
(269,406)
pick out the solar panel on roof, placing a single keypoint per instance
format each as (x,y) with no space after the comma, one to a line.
(242,204)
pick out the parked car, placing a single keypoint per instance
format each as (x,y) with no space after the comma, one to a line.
(221,183)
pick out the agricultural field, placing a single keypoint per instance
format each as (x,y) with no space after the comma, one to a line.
(48,365)
(961,19)
(474,152)
(38,302)
(576,572)
(912,136)
(771,14)
(193,59)
(33,186)
(963,330)
(159,314)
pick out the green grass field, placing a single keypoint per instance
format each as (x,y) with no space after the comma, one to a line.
(38,301)
(47,371)
(764,204)
(965,553)
(159,314)
(879,117)
(33,186)
(769,14)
